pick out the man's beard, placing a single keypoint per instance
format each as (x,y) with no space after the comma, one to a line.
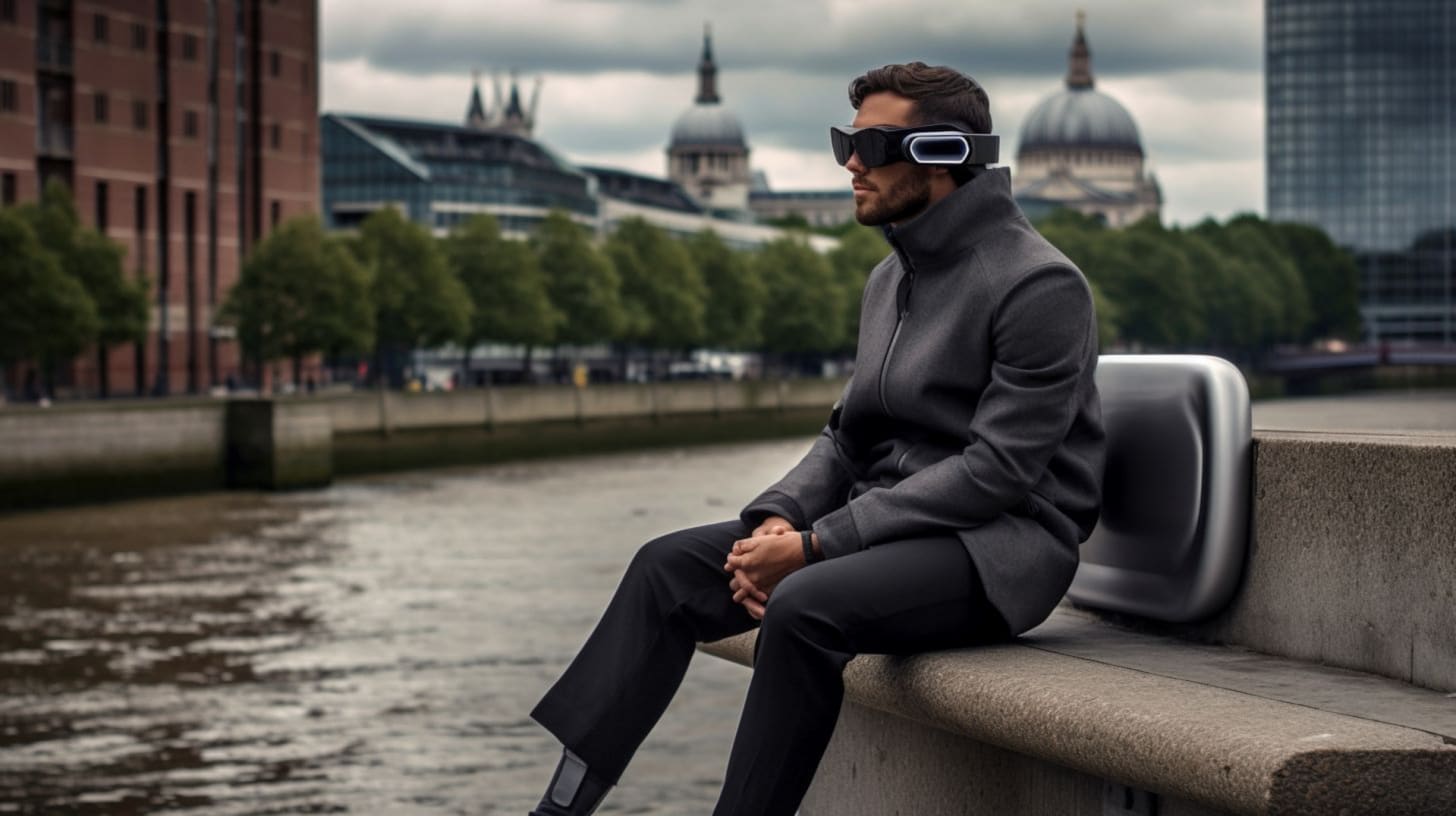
(899,202)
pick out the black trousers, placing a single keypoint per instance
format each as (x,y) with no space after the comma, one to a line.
(898,598)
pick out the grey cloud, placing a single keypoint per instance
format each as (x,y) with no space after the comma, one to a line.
(803,37)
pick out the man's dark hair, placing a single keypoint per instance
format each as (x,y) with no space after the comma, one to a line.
(941,94)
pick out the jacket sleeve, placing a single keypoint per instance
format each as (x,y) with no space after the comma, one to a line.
(815,486)
(1044,338)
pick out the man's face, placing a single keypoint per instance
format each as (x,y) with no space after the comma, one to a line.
(890,193)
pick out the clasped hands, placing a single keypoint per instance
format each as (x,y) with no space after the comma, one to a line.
(758,563)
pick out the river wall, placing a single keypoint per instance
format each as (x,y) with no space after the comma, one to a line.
(77,453)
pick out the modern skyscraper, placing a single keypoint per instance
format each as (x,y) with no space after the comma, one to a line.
(1361,141)
(186,130)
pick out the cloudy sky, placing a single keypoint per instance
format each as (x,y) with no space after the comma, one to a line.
(616,73)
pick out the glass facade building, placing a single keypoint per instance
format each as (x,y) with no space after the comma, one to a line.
(1361,142)
(439,175)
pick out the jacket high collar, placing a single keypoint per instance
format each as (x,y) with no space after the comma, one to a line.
(944,233)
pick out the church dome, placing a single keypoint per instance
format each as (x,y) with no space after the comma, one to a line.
(1079,116)
(707,125)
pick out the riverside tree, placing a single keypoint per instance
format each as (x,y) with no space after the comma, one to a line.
(505,284)
(300,292)
(96,263)
(805,317)
(45,316)
(733,306)
(581,281)
(662,290)
(417,302)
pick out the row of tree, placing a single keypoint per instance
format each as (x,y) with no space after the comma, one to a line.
(64,289)
(393,288)
(1235,288)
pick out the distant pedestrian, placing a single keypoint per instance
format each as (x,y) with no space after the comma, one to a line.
(941,506)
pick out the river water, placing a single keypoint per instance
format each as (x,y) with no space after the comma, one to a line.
(374,647)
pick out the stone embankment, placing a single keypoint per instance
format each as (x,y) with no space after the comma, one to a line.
(97,451)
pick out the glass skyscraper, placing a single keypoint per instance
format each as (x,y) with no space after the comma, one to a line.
(1361,141)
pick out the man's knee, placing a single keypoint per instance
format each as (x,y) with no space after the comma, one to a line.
(662,554)
(799,606)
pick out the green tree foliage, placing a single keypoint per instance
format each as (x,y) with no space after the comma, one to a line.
(1330,277)
(97,263)
(1249,288)
(735,294)
(1152,284)
(417,302)
(663,292)
(1239,309)
(806,310)
(45,314)
(1234,288)
(1254,239)
(860,250)
(300,292)
(581,281)
(505,283)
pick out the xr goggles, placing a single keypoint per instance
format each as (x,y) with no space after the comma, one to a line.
(926,144)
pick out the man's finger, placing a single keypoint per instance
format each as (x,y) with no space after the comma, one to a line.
(754,608)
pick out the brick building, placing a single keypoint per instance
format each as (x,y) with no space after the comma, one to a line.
(186,129)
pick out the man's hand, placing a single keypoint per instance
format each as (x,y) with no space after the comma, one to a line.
(772,524)
(759,563)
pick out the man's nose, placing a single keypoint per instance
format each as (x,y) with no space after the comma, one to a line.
(854,165)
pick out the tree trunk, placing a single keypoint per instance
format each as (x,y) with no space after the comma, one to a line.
(465,367)
(297,372)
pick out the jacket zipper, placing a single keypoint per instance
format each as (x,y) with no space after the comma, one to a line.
(903,311)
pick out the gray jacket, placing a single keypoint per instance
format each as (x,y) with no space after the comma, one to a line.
(972,410)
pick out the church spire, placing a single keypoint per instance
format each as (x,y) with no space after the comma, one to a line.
(1079,64)
(707,71)
(475,114)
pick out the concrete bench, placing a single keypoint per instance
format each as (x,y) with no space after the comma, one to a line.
(1352,562)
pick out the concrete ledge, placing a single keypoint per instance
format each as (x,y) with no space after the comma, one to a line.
(1200,745)
(1352,561)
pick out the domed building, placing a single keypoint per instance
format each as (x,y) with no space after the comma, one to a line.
(708,155)
(1080,149)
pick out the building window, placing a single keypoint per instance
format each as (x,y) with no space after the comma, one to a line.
(100,106)
(7,10)
(189,124)
(275,63)
(139,114)
(103,205)
(7,95)
(7,189)
(99,27)
(275,212)
(275,136)
(189,47)
(139,36)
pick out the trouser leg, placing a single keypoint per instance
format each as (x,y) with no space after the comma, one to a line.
(673,595)
(900,598)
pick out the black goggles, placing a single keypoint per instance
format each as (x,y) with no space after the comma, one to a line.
(926,144)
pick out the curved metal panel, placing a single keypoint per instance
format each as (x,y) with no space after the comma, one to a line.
(1175,523)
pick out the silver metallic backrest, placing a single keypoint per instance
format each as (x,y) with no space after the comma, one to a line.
(1175,496)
